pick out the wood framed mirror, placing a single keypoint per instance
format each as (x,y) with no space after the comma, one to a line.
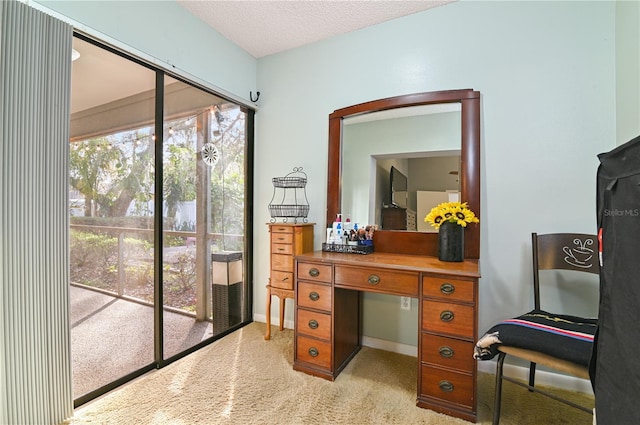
(408,242)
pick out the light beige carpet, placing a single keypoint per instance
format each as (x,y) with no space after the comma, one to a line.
(243,379)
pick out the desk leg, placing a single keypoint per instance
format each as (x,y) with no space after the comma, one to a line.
(267,334)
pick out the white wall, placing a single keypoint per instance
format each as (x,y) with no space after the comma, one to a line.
(627,70)
(546,72)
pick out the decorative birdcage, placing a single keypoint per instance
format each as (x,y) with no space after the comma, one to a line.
(289,200)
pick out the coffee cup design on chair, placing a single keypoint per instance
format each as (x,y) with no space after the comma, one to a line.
(579,256)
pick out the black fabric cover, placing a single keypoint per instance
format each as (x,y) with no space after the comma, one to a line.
(562,336)
(615,367)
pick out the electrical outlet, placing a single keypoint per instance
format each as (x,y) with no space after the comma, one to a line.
(405,303)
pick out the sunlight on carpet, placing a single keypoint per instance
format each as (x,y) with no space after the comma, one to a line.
(243,379)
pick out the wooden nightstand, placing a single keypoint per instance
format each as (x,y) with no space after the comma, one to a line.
(287,241)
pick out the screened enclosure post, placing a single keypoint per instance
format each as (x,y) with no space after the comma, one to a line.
(203,214)
(121,276)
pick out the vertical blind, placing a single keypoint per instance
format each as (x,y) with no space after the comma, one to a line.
(35,72)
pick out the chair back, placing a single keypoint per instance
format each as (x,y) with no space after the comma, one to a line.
(563,251)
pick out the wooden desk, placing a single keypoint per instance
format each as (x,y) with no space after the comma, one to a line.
(328,329)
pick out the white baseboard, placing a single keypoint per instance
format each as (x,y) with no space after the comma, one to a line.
(275,321)
(548,379)
(394,347)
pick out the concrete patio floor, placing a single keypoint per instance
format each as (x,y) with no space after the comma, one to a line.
(111,337)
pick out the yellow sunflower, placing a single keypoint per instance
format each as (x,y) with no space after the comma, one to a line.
(456,212)
(435,218)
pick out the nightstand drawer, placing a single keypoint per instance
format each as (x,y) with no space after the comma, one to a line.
(447,385)
(450,289)
(283,280)
(313,351)
(314,324)
(314,272)
(448,318)
(449,352)
(314,295)
(402,283)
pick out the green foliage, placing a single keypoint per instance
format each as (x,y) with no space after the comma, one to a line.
(112,171)
(93,259)
(115,175)
(178,176)
(184,270)
(140,275)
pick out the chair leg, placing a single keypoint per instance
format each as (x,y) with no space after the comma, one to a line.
(532,376)
(497,401)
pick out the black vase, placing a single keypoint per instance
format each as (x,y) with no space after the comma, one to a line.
(451,242)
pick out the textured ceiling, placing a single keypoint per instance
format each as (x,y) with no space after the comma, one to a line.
(265,27)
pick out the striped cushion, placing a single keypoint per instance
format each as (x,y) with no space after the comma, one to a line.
(562,336)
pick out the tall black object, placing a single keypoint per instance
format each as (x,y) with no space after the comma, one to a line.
(615,364)
(226,289)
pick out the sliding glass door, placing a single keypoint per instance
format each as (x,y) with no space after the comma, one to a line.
(203,216)
(111,180)
(139,136)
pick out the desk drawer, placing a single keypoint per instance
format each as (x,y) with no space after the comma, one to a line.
(314,272)
(399,282)
(448,352)
(314,295)
(283,280)
(447,385)
(452,319)
(313,324)
(282,262)
(450,289)
(313,351)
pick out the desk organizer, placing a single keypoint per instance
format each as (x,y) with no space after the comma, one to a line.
(347,249)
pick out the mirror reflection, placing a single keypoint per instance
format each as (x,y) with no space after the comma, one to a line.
(398,164)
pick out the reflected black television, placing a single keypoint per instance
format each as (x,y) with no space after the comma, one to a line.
(398,185)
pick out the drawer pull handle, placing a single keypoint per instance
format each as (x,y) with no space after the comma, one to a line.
(314,272)
(285,279)
(373,279)
(446,352)
(313,352)
(313,324)
(447,288)
(446,316)
(314,296)
(446,386)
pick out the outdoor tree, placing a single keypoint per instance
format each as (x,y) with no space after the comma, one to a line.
(179,174)
(115,173)
(91,163)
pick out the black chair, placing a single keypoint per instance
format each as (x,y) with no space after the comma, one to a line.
(558,341)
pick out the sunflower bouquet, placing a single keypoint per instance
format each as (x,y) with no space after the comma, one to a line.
(455,212)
